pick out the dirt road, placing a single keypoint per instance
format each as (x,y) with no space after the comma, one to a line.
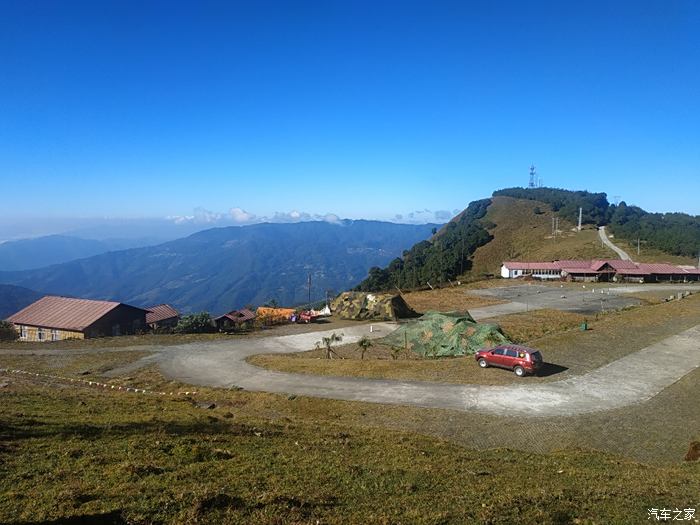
(619,251)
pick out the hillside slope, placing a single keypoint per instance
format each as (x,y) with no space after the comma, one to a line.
(516,223)
(225,268)
(522,230)
(14,298)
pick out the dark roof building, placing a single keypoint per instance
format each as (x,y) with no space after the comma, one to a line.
(52,318)
(162,315)
(234,319)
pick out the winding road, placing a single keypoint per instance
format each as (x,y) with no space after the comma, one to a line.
(632,379)
(606,240)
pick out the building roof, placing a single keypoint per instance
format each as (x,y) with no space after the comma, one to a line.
(160,313)
(64,313)
(596,266)
(238,316)
(516,265)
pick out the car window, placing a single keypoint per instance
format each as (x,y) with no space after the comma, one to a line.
(511,353)
(498,351)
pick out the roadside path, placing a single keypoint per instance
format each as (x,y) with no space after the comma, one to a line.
(619,251)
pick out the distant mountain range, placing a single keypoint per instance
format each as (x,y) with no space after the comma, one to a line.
(28,254)
(225,268)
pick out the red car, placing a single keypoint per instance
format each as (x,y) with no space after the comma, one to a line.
(520,359)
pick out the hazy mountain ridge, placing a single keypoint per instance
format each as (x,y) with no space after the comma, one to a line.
(14,298)
(39,252)
(224,268)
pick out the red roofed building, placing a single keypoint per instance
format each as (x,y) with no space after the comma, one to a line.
(162,316)
(54,318)
(599,270)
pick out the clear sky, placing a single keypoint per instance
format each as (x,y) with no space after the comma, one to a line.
(361,109)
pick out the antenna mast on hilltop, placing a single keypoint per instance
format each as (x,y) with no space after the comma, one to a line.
(533,177)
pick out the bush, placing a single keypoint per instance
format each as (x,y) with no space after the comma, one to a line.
(195,324)
(8,332)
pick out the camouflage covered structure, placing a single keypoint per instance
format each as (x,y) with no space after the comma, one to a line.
(360,306)
(438,334)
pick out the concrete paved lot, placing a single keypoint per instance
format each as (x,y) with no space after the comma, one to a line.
(534,296)
(595,297)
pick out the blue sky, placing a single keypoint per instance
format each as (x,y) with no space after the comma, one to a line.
(360,109)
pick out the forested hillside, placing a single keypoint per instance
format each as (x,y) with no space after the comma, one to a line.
(443,257)
(674,233)
(565,203)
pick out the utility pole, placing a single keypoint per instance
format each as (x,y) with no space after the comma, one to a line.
(580,217)
(309,290)
(637,245)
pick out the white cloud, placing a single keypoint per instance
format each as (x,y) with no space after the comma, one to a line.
(443,215)
(239,215)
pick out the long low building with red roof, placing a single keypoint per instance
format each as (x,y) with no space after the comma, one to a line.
(608,270)
(53,318)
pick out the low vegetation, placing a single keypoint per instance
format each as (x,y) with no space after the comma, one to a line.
(8,332)
(119,458)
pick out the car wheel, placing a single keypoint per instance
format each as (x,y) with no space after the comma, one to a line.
(519,371)
(483,363)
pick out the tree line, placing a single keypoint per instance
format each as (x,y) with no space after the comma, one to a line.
(445,256)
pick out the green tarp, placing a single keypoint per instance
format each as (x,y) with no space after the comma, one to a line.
(445,334)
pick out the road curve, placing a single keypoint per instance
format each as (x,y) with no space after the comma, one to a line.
(619,251)
(632,379)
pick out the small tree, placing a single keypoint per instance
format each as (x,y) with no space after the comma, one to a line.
(327,343)
(395,351)
(195,324)
(364,344)
(8,332)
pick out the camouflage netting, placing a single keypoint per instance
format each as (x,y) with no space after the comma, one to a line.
(361,306)
(438,334)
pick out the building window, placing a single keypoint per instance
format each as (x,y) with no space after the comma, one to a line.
(23,332)
(54,335)
(40,334)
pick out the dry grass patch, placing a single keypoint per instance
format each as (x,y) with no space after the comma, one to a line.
(526,326)
(448,299)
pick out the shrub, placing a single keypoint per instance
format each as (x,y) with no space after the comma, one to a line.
(195,324)
(8,332)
